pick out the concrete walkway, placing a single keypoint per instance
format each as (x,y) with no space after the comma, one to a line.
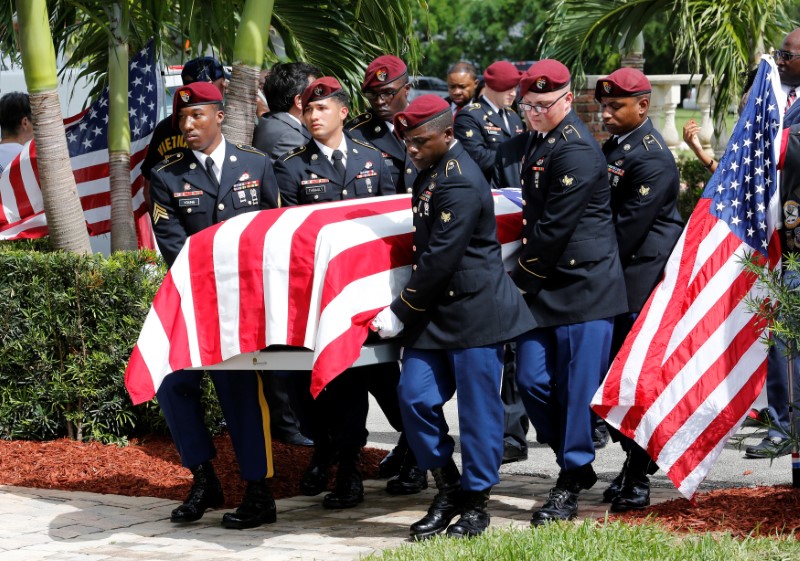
(56,525)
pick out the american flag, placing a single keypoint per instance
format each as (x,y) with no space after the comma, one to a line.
(307,276)
(695,360)
(22,211)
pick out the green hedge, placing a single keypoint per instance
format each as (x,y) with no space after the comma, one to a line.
(66,332)
(694,176)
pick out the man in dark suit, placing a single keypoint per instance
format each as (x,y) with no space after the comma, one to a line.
(211,182)
(570,272)
(644,191)
(462,83)
(333,167)
(483,126)
(386,88)
(787,58)
(457,276)
(282,129)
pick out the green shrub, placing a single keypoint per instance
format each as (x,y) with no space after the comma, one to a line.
(68,327)
(693,180)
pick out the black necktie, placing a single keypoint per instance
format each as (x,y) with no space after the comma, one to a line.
(610,145)
(210,170)
(503,116)
(338,165)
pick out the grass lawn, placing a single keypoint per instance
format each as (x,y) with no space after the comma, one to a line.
(593,541)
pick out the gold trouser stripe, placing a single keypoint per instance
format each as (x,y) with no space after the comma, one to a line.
(262,402)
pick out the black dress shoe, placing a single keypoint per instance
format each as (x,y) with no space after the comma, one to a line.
(600,435)
(474,519)
(296,439)
(513,453)
(257,508)
(447,503)
(616,485)
(206,492)
(635,495)
(561,504)
(410,480)
(349,489)
(392,463)
(315,478)
(770,447)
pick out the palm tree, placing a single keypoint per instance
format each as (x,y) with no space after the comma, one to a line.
(720,39)
(59,192)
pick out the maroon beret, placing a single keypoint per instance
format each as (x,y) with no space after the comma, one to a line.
(502,76)
(321,88)
(382,70)
(544,76)
(196,93)
(423,109)
(625,82)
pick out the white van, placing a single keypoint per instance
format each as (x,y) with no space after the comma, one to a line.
(73,91)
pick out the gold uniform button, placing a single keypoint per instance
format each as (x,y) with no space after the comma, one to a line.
(249,203)
(413,228)
(524,221)
(522,182)
(221,206)
(452,293)
(572,262)
(408,171)
(409,189)
(524,202)
(413,248)
(316,197)
(413,267)
(414,209)
(524,240)
(344,192)
(188,211)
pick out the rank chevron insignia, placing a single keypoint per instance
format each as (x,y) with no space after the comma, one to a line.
(159,212)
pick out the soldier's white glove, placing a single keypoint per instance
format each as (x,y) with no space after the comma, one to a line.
(386,324)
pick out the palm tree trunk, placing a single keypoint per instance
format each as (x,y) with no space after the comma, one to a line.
(248,55)
(62,203)
(123,231)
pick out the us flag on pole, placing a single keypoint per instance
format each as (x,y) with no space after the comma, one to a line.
(695,360)
(306,276)
(22,210)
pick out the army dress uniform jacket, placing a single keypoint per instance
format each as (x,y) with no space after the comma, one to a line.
(186,199)
(644,193)
(509,158)
(569,266)
(369,128)
(482,130)
(459,295)
(306,176)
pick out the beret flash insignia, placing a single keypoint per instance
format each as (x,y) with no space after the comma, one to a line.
(186,95)
(381,74)
(541,82)
(606,87)
(403,121)
(318,90)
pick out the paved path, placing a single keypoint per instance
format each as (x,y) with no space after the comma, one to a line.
(73,526)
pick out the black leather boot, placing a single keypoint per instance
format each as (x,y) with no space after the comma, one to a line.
(206,493)
(410,480)
(445,506)
(391,465)
(562,502)
(349,489)
(616,485)
(315,478)
(474,517)
(257,508)
(635,492)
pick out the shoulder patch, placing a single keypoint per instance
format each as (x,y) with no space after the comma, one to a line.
(452,166)
(171,159)
(370,146)
(294,152)
(248,148)
(358,121)
(650,141)
(569,131)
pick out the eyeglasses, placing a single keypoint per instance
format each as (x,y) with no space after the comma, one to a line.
(540,108)
(786,55)
(385,95)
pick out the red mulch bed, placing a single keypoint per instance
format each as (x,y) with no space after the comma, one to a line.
(149,467)
(759,511)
